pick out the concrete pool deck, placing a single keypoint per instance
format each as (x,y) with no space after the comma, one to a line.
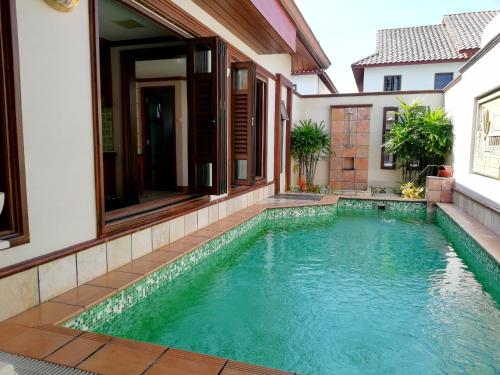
(36,332)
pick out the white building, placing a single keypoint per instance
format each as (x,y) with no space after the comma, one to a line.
(422,57)
(313,83)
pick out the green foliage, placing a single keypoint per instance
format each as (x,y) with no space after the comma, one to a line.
(420,136)
(412,191)
(309,144)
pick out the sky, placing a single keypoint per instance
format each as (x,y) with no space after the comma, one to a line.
(346,29)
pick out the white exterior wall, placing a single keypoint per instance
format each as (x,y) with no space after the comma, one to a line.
(318,109)
(57,127)
(413,77)
(460,103)
(310,84)
(322,89)
(57,122)
(307,84)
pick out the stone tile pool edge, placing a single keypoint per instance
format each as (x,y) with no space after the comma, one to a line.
(106,310)
(115,304)
(474,253)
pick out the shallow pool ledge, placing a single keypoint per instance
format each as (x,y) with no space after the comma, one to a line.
(486,238)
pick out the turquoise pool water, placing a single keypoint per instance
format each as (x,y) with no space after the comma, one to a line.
(371,293)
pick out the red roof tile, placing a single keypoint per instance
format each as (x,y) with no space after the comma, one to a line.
(451,40)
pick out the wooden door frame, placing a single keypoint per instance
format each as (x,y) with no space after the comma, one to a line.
(282,81)
(161,14)
(128,58)
(171,88)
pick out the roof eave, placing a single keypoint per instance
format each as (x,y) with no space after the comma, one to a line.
(359,74)
(325,78)
(306,35)
(413,62)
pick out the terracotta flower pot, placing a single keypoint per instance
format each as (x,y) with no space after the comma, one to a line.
(445,171)
(303,183)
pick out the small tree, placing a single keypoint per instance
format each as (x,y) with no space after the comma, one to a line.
(309,144)
(419,137)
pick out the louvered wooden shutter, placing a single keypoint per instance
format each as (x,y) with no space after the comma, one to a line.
(243,122)
(206,74)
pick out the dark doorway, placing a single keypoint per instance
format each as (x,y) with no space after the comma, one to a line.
(158,172)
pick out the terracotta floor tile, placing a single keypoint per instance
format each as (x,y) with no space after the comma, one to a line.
(60,329)
(244,214)
(161,257)
(84,295)
(96,337)
(35,343)
(209,233)
(46,313)
(194,239)
(233,219)
(222,225)
(140,266)
(115,279)
(182,245)
(139,345)
(119,360)
(176,362)
(74,352)
(7,331)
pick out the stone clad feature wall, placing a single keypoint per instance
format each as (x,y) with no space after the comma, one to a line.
(350,134)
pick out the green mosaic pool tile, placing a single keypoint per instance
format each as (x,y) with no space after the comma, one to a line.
(473,253)
(107,309)
(368,204)
(295,212)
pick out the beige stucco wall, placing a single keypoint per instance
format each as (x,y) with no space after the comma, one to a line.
(57,122)
(318,109)
(57,126)
(460,103)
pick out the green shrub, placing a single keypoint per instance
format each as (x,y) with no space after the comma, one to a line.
(309,144)
(420,136)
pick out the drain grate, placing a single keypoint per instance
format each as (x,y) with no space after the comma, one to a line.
(12,364)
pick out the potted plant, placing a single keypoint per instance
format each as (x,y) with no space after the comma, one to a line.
(310,143)
(420,137)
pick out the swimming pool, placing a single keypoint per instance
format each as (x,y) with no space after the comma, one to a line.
(333,291)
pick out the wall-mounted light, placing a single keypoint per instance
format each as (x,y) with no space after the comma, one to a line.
(63,5)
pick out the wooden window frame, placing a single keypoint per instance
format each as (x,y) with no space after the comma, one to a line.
(197,125)
(384,130)
(16,231)
(249,96)
(442,73)
(392,77)
(263,75)
(265,109)
(128,218)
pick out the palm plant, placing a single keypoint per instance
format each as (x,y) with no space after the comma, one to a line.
(309,144)
(420,137)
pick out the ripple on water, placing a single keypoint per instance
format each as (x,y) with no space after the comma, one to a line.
(370,294)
